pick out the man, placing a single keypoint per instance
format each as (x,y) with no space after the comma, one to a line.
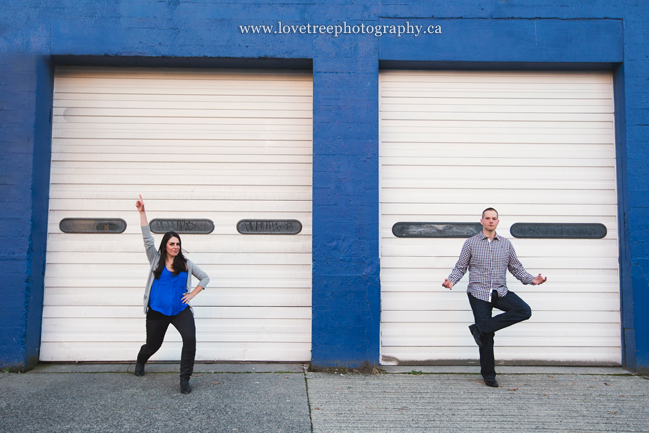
(488,256)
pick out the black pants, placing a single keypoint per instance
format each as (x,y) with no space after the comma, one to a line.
(156,328)
(515,310)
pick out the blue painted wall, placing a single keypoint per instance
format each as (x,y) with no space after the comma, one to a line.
(482,34)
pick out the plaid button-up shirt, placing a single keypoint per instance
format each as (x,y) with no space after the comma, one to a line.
(488,263)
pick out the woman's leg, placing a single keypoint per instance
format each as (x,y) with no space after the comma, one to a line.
(156,328)
(184,323)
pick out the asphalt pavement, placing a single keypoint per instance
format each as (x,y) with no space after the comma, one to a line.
(287,398)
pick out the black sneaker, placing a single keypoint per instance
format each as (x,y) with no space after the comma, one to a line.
(477,335)
(139,369)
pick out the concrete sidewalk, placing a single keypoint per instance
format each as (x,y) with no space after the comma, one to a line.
(286,398)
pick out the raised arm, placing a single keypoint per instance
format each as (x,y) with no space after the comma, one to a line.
(140,208)
(149,242)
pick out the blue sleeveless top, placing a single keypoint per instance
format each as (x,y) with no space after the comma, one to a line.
(167,292)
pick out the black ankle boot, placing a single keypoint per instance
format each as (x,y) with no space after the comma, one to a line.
(184,386)
(139,369)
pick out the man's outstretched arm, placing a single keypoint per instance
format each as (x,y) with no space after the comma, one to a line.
(518,271)
(460,267)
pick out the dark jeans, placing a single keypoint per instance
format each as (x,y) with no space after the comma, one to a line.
(156,328)
(515,310)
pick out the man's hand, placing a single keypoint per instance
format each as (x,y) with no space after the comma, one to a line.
(539,280)
(449,284)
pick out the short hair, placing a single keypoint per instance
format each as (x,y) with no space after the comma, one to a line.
(488,209)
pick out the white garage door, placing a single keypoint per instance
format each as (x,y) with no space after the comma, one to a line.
(220,145)
(539,147)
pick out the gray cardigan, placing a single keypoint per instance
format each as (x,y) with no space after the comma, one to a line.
(154,256)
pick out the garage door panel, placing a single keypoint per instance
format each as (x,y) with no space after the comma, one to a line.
(433,162)
(575,249)
(200,311)
(182,86)
(522,330)
(538,196)
(416,301)
(540,148)
(552,354)
(296,251)
(266,261)
(200,88)
(570,280)
(110,351)
(539,132)
(103,325)
(90,160)
(225,273)
(562,286)
(394,93)
(181,149)
(178,192)
(503,87)
(133,242)
(175,108)
(202,166)
(135,270)
(174,338)
(485,172)
(444,150)
(241,205)
(428,277)
(489,138)
(155,134)
(206,144)
(187,180)
(171,122)
(465,317)
(410,90)
(176,102)
(495,77)
(224,297)
(424,185)
(546,210)
(530,263)
(521,342)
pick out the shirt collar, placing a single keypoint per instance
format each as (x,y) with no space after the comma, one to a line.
(483,236)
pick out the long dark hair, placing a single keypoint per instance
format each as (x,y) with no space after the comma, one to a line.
(180,262)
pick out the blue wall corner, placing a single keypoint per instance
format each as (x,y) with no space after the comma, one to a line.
(626,283)
(40,205)
(27,84)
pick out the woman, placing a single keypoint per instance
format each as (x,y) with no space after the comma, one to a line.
(166,298)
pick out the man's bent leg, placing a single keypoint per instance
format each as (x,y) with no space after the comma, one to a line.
(482,314)
(515,310)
